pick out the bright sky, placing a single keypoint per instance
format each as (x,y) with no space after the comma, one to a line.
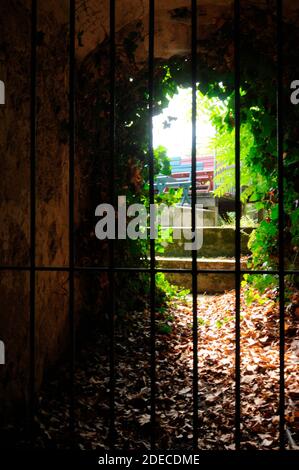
(177,137)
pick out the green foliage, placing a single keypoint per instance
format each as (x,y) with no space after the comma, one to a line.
(255,285)
(168,291)
(245,221)
(224,144)
(259,170)
(164,328)
(162,162)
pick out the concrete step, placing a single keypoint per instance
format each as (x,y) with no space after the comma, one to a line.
(210,283)
(216,242)
(181,216)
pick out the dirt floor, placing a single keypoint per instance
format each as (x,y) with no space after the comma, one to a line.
(216,352)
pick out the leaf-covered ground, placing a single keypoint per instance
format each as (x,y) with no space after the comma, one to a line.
(216,352)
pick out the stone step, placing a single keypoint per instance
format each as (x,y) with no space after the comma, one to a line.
(211,283)
(216,242)
(181,216)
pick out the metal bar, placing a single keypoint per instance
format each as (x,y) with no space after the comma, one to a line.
(33,131)
(193,221)
(142,270)
(72,149)
(281,264)
(112,432)
(152,241)
(238,227)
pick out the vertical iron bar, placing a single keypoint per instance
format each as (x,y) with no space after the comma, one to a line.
(111,242)
(72,124)
(33,129)
(281,266)
(193,221)
(237,228)
(152,201)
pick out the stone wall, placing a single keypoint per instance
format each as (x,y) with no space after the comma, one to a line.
(51,194)
(172,22)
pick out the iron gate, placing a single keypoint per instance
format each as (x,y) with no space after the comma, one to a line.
(112,268)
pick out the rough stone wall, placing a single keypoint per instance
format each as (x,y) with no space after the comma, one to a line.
(172,22)
(172,26)
(51,194)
